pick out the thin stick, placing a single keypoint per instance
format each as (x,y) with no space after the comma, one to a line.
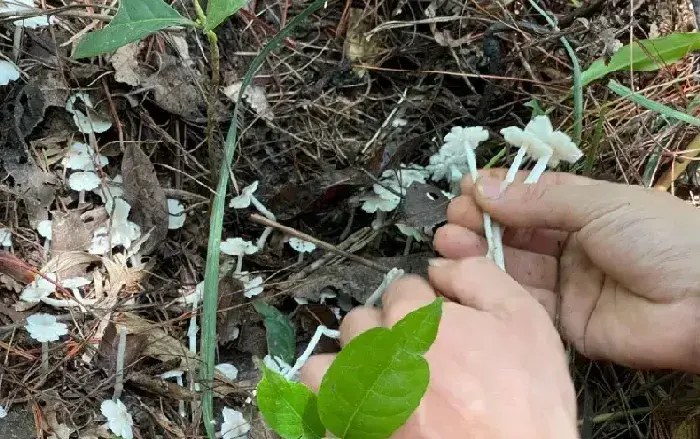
(121,352)
(322,244)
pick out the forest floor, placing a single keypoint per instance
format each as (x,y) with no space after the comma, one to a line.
(357,89)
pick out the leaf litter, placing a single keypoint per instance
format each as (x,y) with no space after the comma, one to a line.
(317,136)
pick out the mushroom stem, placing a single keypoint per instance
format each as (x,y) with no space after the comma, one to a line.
(488,229)
(497,236)
(239,264)
(181,405)
(81,198)
(262,209)
(320,330)
(45,356)
(538,170)
(121,353)
(263,238)
(47,246)
(407,247)
(300,258)
(513,170)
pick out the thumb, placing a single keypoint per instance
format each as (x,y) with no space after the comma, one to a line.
(564,206)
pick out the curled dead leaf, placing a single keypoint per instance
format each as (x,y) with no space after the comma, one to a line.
(149,206)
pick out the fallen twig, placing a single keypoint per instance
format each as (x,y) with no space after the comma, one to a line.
(322,244)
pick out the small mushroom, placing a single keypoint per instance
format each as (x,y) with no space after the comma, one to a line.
(82,157)
(119,420)
(5,238)
(238,247)
(83,181)
(45,328)
(177,374)
(8,71)
(301,247)
(244,200)
(176,214)
(44,228)
(227,370)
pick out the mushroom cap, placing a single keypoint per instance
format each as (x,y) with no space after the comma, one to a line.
(75,282)
(176,373)
(228,370)
(5,237)
(8,71)
(301,246)
(82,157)
(45,328)
(44,228)
(466,137)
(234,426)
(176,214)
(243,200)
(83,181)
(253,287)
(237,247)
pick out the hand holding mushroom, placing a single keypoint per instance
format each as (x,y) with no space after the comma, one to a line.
(618,258)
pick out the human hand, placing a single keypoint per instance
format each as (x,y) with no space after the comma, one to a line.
(497,367)
(617,260)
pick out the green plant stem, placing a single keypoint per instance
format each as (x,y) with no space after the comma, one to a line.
(211,272)
(647,103)
(213,147)
(576,67)
(201,18)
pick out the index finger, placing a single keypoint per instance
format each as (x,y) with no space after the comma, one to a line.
(548,178)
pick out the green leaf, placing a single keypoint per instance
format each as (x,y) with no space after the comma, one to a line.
(220,10)
(281,337)
(377,381)
(289,408)
(645,55)
(645,102)
(135,20)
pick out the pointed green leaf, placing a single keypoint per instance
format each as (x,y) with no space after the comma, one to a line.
(220,10)
(645,55)
(135,20)
(377,381)
(289,408)
(417,331)
(281,336)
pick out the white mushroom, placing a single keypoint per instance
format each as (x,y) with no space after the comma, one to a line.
(83,181)
(176,214)
(45,328)
(238,247)
(177,374)
(301,247)
(119,420)
(228,370)
(244,200)
(8,71)
(90,121)
(5,238)
(44,228)
(82,157)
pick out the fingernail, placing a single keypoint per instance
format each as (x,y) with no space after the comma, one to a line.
(489,187)
(439,262)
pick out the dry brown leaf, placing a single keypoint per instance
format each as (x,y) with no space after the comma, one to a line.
(70,234)
(423,206)
(159,344)
(175,88)
(60,431)
(126,65)
(109,346)
(255,96)
(149,208)
(69,264)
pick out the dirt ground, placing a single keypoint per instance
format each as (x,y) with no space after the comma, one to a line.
(359,88)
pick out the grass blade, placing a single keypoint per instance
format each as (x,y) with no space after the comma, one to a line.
(211,272)
(647,103)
